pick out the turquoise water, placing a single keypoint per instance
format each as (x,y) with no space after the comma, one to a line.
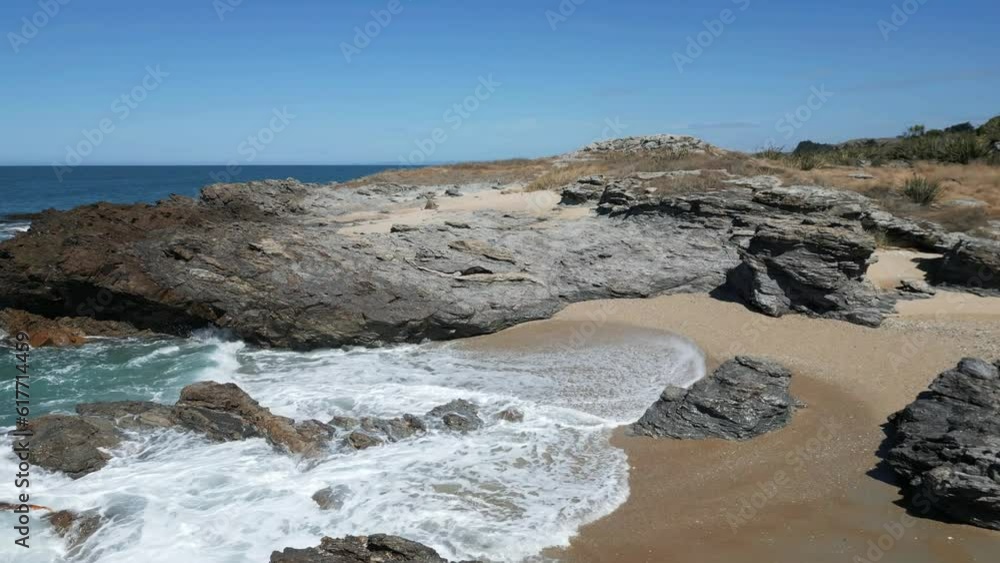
(502,493)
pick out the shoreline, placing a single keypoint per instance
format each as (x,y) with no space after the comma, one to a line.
(691,500)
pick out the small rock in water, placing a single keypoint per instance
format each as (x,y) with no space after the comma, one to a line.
(511,415)
(458,415)
(75,528)
(331,498)
(362,441)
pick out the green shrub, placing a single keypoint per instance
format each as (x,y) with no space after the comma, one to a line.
(922,191)
(991,130)
(771,152)
(961,149)
(806,162)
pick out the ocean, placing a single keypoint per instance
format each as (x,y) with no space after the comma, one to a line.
(29,189)
(504,492)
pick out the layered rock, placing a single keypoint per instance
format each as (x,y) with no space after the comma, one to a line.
(376,548)
(679,144)
(972,263)
(744,398)
(945,446)
(64,331)
(816,269)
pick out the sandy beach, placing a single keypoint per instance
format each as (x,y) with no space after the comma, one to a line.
(809,492)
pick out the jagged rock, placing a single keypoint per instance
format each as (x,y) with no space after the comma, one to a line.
(744,398)
(453,191)
(75,528)
(973,262)
(224,412)
(376,548)
(460,415)
(70,444)
(946,445)
(816,269)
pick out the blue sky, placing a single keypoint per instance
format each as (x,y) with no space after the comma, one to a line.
(562,73)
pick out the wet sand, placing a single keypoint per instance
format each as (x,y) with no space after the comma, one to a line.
(807,493)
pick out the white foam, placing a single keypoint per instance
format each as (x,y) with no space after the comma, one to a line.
(503,493)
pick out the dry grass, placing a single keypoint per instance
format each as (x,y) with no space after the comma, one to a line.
(502,171)
(707,181)
(558,177)
(976,181)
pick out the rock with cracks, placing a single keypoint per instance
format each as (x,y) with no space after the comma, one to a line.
(376,548)
(945,446)
(744,398)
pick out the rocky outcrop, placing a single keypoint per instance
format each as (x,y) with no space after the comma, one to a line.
(945,446)
(376,548)
(224,412)
(71,444)
(269,262)
(630,145)
(76,445)
(744,398)
(971,263)
(816,269)
(64,331)
(292,265)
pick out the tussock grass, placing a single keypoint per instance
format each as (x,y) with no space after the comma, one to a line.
(560,177)
(922,191)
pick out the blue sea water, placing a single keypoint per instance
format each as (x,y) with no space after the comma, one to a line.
(29,189)
(503,493)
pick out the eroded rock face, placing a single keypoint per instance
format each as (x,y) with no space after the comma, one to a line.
(744,398)
(377,548)
(71,444)
(816,269)
(945,446)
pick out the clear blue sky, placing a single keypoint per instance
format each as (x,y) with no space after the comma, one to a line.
(608,61)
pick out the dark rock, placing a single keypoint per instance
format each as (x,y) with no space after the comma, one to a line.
(460,415)
(945,446)
(377,548)
(71,444)
(511,415)
(224,412)
(453,191)
(331,498)
(816,269)
(972,263)
(744,398)
(362,441)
